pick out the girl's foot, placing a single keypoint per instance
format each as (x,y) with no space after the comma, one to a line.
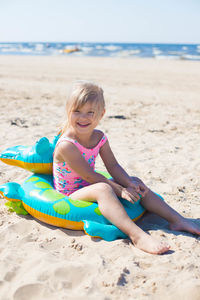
(185,225)
(150,245)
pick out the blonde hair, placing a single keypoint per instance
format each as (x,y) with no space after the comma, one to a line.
(82,92)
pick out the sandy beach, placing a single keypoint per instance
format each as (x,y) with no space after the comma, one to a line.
(153,125)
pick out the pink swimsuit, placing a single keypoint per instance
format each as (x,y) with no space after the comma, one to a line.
(66,180)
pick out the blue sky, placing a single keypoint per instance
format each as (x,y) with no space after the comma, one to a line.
(150,21)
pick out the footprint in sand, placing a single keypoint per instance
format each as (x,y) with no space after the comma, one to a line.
(31,292)
(73,275)
(52,244)
(21,228)
(10,274)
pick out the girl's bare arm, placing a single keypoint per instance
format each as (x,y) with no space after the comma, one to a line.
(69,153)
(131,184)
(113,167)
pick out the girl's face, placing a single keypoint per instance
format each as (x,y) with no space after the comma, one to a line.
(86,118)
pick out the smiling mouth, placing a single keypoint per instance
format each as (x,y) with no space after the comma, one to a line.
(83,125)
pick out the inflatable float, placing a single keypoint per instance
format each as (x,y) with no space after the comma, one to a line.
(71,50)
(38,197)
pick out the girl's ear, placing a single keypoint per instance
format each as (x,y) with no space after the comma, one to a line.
(103,113)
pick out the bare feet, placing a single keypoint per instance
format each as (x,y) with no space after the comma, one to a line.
(148,244)
(185,225)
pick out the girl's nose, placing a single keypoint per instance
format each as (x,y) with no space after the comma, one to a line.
(83,115)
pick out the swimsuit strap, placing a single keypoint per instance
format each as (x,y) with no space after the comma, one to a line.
(100,143)
(64,138)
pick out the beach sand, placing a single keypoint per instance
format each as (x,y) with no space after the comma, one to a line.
(157,138)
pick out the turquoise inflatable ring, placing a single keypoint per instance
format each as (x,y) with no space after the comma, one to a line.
(38,197)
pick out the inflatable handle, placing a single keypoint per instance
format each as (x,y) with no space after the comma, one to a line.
(42,146)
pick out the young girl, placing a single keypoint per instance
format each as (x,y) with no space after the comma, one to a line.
(74,175)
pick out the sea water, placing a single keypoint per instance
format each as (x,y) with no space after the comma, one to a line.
(157,51)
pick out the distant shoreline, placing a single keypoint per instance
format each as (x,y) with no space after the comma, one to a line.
(92,49)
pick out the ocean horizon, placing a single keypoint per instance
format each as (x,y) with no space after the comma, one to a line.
(97,49)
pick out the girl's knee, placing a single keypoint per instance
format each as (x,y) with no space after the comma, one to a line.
(103,187)
(136,179)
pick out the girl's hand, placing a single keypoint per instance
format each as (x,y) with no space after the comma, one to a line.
(139,187)
(129,194)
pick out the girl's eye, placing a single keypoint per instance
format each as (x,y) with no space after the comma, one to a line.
(90,112)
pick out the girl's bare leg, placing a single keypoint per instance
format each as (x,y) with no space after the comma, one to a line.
(155,204)
(113,210)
